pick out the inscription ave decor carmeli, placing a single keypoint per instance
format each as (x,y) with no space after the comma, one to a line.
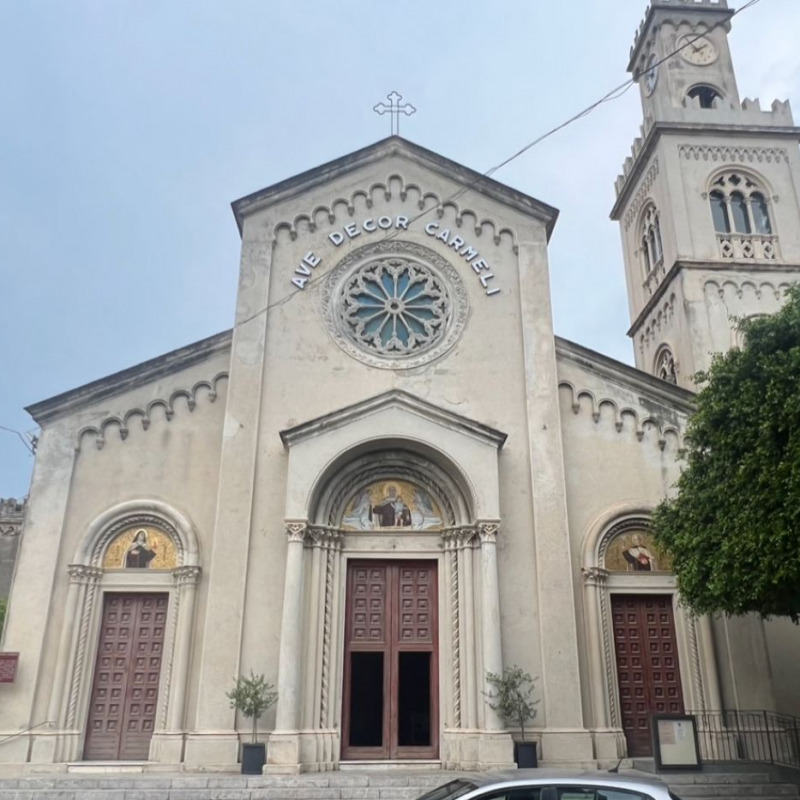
(461,246)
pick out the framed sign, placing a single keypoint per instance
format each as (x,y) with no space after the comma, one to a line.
(675,744)
(8,667)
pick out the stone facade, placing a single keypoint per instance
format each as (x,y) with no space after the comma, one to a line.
(12,519)
(391,393)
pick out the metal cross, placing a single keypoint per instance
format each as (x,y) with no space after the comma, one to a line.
(395,108)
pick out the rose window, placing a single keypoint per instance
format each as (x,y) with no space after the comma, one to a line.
(395,307)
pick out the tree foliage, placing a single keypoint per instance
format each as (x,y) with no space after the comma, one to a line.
(252,696)
(512,695)
(733,528)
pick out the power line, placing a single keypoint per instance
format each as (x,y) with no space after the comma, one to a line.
(613,94)
(30,446)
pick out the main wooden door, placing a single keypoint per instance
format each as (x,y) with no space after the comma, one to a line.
(647,664)
(390,707)
(125,690)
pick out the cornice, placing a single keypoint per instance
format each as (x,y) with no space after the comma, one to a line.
(682,400)
(394,145)
(393,398)
(68,402)
(661,128)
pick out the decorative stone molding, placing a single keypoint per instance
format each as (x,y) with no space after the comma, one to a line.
(732,153)
(660,319)
(395,186)
(738,288)
(488,531)
(641,195)
(185,576)
(594,575)
(452,298)
(643,422)
(122,421)
(296,531)
(83,573)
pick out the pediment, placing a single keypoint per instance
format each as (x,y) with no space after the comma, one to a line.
(395,399)
(393,147)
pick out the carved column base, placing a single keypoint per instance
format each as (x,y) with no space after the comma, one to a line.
(167,748)
(609,745)
(283,753)
(464,749)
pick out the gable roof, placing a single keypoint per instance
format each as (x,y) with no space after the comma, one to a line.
(395,145)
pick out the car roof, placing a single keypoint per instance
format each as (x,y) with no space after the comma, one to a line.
(578,777)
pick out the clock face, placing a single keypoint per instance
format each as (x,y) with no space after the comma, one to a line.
(651,75)
(697,50)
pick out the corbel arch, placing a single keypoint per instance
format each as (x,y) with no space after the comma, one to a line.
(91,578)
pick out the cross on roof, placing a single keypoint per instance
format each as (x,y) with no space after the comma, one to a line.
(395,109)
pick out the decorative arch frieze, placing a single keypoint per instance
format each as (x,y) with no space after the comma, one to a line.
(642,194)
(122,422)
(642,422)
(395,186)
(731,153)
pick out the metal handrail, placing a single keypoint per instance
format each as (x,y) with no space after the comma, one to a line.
(760,736)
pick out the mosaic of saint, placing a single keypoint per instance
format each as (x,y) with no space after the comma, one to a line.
(141,548)
(636,552)
(392,504)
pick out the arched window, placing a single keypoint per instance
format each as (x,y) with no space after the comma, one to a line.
(665,366)
(741,215)
(650,243)
(706,96)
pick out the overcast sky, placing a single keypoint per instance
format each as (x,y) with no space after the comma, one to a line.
(128,127)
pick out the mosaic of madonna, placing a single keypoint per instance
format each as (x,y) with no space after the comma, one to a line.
(636,552)
(392,504)
(141,548)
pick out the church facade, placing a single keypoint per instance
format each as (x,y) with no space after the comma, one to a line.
(390,477)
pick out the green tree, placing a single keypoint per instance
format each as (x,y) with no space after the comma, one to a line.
(733,529)
(511,695)
(252,696)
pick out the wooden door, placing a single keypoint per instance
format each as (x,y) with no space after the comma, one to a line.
(390,708)
(647,664)
(125,691)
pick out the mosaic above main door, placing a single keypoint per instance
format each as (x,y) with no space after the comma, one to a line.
(392,504)
(636,552)
(141,548)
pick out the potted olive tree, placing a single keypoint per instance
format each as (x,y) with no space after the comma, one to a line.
(511,696)
(252,696)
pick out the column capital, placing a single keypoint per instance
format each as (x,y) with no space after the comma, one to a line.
(83,573)
(594,576)
(296,530)
(186,576)
(325,537)
(488,529)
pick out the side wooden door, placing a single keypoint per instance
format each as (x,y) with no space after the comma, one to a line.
(647,664)
(125,689)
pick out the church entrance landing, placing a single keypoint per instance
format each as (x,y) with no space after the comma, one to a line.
(390,708)
(125,691)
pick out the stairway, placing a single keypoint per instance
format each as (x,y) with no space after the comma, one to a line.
(390,785)
(730,785)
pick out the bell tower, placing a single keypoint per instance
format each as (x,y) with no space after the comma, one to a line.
(708,199)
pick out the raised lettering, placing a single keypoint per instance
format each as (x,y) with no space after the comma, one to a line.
(336,237)
(484,278)
(311,259)
(303,270)
(300,283)
(369,225)
(469,253)
(384,223)
(351,229)
(401,222)
(490,292)
(444,236)
(431,227)
(479,265)
(456,242)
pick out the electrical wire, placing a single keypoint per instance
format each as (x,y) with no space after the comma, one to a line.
(613,94)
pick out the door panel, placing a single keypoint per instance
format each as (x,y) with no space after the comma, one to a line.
(647,664)
(125,690)
(390,704)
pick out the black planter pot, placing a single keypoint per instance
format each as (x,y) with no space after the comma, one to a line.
(253,757)
(525,755)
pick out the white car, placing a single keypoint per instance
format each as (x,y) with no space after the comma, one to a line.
(540,784)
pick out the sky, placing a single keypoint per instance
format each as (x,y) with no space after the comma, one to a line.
(128,127)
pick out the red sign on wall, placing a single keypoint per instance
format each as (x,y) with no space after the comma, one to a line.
(8,667)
